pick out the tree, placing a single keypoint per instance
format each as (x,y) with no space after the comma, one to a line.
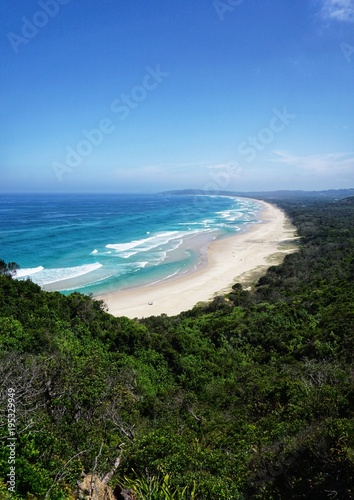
(8,269)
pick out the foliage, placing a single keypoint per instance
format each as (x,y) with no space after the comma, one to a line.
(8,269)
(158,488)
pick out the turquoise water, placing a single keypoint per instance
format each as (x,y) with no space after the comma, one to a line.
(98,243)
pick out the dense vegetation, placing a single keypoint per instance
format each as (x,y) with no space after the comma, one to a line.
(251,396)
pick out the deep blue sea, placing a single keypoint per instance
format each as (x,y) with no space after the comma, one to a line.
(99,243)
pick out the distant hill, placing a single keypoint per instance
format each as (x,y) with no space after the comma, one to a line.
(330,194)
(348,201)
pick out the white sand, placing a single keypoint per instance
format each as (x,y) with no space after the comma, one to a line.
(230,260)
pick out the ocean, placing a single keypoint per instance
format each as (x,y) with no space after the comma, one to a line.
(100,243)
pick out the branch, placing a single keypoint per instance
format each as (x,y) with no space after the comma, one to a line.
(109,474)
(59,478)
(94,468)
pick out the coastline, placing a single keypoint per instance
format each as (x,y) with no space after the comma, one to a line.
(242,258)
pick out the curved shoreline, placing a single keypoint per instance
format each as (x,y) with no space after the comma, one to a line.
(229,260)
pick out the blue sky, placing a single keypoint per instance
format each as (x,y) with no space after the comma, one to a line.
(104,96)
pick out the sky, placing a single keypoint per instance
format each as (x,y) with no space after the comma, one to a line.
(137,96)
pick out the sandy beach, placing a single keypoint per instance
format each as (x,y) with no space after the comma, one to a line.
(240,258)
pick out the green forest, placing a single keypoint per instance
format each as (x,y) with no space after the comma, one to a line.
(248,397)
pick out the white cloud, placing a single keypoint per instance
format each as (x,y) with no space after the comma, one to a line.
(198,166)
(322,164)
(338,10)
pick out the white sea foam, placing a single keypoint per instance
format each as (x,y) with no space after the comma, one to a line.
(166,277)
(208,222)
(141,265)
(145,243)
(234,215)
(49,276)
(158,257)
(90,284)
(126,250)
(230,214)
(21,273)
(94,251)
(189,223)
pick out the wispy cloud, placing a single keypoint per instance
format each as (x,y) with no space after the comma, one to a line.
(198,166)
(326,164)
(338,10)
